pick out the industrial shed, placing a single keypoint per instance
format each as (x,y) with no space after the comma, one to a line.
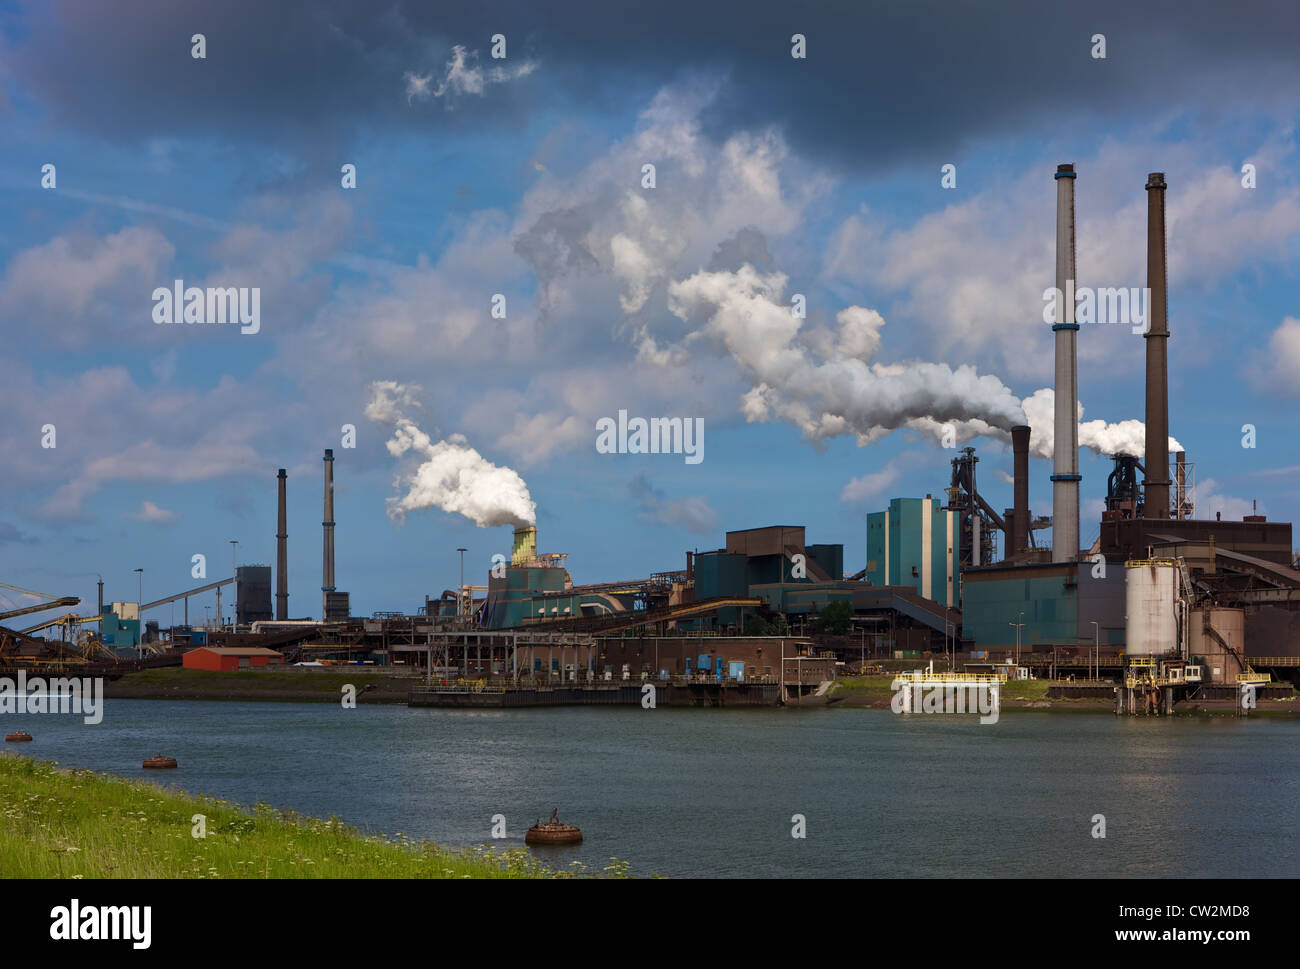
(221,658)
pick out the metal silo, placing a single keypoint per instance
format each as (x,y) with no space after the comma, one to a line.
(1216,637)
(1152,587)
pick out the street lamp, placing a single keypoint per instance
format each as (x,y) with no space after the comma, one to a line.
(460,591)
(233,569)
(1096,645)
(1018,626)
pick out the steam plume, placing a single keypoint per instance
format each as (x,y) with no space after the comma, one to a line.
(452,475)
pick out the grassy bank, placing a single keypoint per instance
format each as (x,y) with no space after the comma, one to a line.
(59,823)
(877,691)
(316,684)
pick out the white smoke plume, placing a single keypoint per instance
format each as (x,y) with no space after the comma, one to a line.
(1122,437)
(451,475)
(827,384)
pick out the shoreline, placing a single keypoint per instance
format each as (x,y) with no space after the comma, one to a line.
(377,686)
(65,822)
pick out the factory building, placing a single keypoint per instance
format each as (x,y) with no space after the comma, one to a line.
(1157,581)
(252,594)
(915,543)
(1058,602)
(120,627)
(772,564)
(536,587)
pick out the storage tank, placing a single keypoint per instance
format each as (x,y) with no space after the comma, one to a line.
(1221,666)
(1151,586)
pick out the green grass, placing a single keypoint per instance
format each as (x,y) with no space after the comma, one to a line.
(60,823)
(876,687)
(865,686)
(1025,690)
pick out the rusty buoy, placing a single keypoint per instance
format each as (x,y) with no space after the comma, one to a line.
(553,832)
(159,761)
(18,736)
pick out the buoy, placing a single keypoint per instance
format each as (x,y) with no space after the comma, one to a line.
(18,736)
(553,832)
(159,761)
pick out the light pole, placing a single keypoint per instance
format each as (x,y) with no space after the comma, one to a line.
(1096,645)
(460,591)
(235,597)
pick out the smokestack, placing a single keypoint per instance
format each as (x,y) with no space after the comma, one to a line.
(327,569)
(281,558)
(1065,463)
(1020,468)
(1156,460)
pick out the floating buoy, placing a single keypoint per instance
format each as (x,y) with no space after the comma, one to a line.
(18,736)
(159,761)
(553,832)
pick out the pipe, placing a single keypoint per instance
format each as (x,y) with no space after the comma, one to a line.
(1065,463)
(261,624)
(1156,457)
(1180,508)
(327,567)
(1020,488)
(281,556)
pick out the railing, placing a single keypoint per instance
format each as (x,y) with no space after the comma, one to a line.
(921,676)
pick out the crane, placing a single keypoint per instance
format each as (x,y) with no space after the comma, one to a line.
(55,603)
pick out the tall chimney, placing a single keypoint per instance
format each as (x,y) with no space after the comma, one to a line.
(281,558)
(1156,459)
(327,569)
(1020,488)
(1065,464)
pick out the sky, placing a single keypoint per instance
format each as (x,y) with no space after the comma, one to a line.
(499,273)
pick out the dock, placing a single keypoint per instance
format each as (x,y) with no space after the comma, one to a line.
(681,692)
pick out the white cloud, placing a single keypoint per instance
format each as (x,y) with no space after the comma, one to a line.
(149,512)
(870,488)
(71,290)
(1281,365)
(463,75)
(1211,502)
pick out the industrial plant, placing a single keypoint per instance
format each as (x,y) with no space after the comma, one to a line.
(1164,606)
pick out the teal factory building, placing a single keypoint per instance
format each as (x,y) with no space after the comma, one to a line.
(915,543)
(775,565)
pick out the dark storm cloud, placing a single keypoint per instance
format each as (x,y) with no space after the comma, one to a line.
(882,82)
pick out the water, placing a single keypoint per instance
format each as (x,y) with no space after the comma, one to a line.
(686,792)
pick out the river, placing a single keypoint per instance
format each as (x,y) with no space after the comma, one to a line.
(709,792)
